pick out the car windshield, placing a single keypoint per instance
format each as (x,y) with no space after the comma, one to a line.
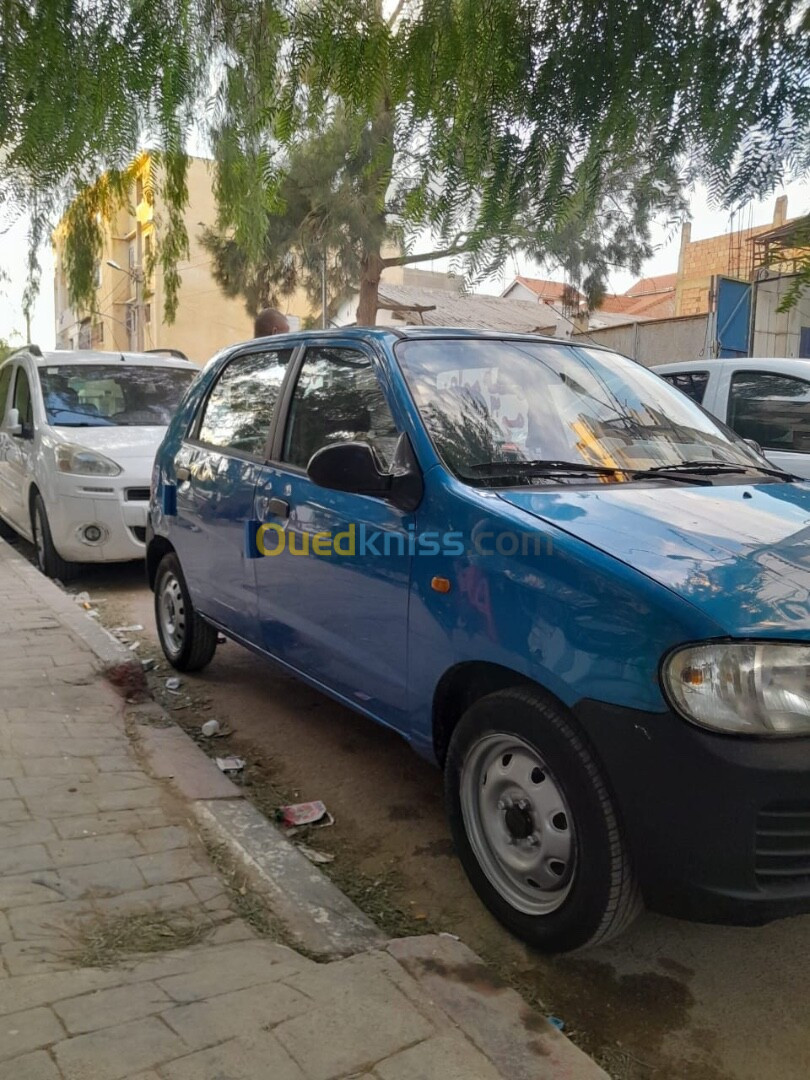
(489,405)
(118,395)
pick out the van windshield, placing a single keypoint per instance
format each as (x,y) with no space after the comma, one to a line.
(491,403)
(110,395)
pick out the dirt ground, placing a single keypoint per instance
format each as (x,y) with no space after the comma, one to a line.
(670,1000)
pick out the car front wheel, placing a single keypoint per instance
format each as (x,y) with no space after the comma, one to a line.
(535,826)
(187,640)
(49,561)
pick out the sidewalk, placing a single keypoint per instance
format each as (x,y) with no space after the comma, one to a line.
(100,861)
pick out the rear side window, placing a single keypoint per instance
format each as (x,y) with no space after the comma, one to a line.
(772,409)
(5,383)
(691,383)
(239,410)
(22,398)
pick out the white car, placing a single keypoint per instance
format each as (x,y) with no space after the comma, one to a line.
(78,435)
(764,400)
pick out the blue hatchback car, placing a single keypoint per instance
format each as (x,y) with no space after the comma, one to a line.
(551,572)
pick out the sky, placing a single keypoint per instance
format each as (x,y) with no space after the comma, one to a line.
(706,221)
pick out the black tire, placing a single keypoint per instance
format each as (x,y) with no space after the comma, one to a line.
(194,642)
(49,561)
(602,896)
(7,533)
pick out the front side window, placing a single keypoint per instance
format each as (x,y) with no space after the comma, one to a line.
(112,395)
(691,383)
(338,398)
(22,398)
(488,402)
(239,409)
(771,409)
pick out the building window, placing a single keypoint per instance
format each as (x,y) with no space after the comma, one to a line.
(132,326)
(85,334)
(133,256)
(147,313)
(138,191)
(97,275)
(97,334)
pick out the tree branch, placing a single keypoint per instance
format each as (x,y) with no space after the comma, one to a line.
(426,256)
(395,14)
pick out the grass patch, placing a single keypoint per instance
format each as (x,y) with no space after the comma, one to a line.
(106,939)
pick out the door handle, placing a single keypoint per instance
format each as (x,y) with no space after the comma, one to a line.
(278,508)
(183,473)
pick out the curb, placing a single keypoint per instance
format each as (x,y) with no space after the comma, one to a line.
(319,918)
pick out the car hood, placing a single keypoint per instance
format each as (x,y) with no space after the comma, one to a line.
(119,443)
(740,553)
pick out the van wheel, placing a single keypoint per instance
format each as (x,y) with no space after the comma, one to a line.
(49,561)
(188,641)
(535,826)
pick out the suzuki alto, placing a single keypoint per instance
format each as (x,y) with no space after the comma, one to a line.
(552,573)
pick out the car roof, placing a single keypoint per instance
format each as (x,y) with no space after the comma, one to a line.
(76,357)
(783,363)
(387,333)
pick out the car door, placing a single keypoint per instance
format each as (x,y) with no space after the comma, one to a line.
(333,582)
(18,450)
(773,409)
(217,467)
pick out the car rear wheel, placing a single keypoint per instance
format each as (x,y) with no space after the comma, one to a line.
(49,561)
(535,826)
(187,640)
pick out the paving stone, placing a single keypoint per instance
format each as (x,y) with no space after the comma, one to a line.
(163,839)
(104,879)
(103,1008)
(169,897)
(241,1013)
(29,991)
(175,865)
(57,766)
(7,790)
(28,857)
(240,1059)
(91,849)
(45,920)
(130,800)
(207,888)
(88,781)
(115,763)
(10,767)
(13,810)
(115,1052)
(233,967)
(22,833)
(445,1057)
(25,892)
(58,806)
(29,1030)
(5,928)
(36,1066)
(45,955)
(116,821)
(352,1032)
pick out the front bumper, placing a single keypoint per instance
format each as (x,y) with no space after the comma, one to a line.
(718,825)
(120,511)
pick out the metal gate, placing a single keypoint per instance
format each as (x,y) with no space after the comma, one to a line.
(732,316)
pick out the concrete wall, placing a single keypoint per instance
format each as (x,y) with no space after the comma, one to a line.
(778,333)
(658,341)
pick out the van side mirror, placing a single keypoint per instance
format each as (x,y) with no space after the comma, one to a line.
(355,467)
(14,426)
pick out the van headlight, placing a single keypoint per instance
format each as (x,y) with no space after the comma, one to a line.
(80,461)
(742,688)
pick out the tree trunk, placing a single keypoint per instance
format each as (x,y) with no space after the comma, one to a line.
(369,289)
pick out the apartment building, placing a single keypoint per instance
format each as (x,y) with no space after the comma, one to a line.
(128,310)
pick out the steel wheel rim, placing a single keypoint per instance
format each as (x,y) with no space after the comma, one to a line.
(518,823)
(39,538)
(172,614)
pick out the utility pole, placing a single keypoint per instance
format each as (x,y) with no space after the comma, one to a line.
(28,326)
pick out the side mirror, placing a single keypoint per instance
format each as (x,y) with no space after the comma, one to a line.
(355,467)
(349,466)
(14,426)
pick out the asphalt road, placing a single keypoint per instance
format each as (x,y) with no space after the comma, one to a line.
(670,1000)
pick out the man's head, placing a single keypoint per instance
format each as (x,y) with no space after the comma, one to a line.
(269,321)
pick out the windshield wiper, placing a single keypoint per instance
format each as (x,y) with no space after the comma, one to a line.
(540,466)
(707,466)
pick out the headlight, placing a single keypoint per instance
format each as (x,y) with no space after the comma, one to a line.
(742,688)
(82,462)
